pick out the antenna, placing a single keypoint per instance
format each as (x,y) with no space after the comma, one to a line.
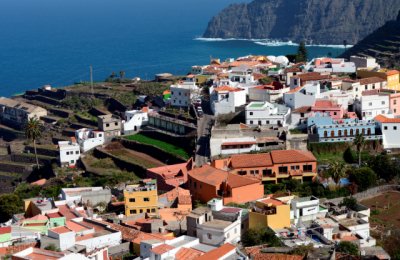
(91,78)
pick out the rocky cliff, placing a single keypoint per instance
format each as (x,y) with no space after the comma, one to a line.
(383,44)
(316,21)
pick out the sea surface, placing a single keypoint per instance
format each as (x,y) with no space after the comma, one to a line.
(55,41)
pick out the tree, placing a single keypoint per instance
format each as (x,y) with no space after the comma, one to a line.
(350,203)
(52,247)
(349,156)
(302,54)
(347,248)
(33,131)
(384,167)
(10,204)
(364,177)
(337,170)
(359,142)
(254,237)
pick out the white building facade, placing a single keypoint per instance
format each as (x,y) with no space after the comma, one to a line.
(69,153)
(225,99)
(89,139)
(302,96)
(135,119)
(374,105)
(184,93)
(265,113)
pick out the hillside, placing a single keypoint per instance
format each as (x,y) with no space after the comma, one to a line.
(383,44)
(316,21)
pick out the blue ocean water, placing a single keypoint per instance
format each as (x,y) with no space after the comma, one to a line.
(55,41)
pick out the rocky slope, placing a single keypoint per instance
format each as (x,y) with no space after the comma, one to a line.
(383,44)
(316,21)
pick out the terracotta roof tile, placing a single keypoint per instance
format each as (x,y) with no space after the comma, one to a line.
(227,88)
(161,249)
(250,160)
(371,80)
(187,254)
(5,230)
(218,253)
(392,72)
(292,156)
(302,109)
(384,119)
(60,230)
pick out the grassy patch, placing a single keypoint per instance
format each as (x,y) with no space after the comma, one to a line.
(121,154)
(326,158)
(166,147)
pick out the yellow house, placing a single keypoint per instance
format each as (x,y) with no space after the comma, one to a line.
(270,213)
(392,77)
(141,198)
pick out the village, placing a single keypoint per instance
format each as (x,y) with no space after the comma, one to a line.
(256,157)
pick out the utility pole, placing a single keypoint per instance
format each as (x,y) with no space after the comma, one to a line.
(91,78)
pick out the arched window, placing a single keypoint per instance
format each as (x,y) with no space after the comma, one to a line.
(340,133)
(369,131)
(357,131)
(351,132)
(325,134)
(332,133)
(363,131)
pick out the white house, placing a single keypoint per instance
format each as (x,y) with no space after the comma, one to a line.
(373,104)
(302,96)
(265,113)
(357,87)
(183,93)
(332,65)
(135,119)
(299,116)
(342,98)
(390,128)
(225,99)
(306,209)
(69,152)
(242,77)
(89,138)
(267,93)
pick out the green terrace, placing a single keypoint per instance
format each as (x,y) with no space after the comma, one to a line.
(166,147)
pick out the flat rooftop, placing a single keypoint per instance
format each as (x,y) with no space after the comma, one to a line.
(217,223)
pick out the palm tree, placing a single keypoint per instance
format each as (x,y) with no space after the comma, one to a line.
(337,170)
(359,142)
(33,131)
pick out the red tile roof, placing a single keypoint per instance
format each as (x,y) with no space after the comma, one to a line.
(371,80)
(218,252)
(161,249)
(177,193)
(302,109)
(5,230)
(76,227)
(384,119)
(60,230)
(216,177)
(325,104)
(292,156)
(250,160)
(271,201)
(227,88)
(187,254)
(66,212)
(392,72)
(55,215)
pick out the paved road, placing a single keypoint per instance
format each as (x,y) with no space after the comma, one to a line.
(204,126)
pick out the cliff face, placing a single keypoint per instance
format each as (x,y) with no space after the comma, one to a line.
(316,21)
(383,44)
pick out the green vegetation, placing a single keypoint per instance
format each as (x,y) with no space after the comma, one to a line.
(254,237)
(33,131)
(150,88)
(302,53)
(52,247)
(295,131)
(237,205)
(126,98)
(10,204)
(166,147)
(337,171)
(80,103)
(350,203)
(306,189)
(266,80)
(364,178)
(348,248)
(384,167)
(124,155)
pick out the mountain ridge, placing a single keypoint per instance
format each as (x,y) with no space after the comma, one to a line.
(315,21)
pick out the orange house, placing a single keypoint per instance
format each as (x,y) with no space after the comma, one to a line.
(272,167)
(207,182)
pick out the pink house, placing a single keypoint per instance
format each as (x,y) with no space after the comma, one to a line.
(394,104)
(170,176)
(332,109)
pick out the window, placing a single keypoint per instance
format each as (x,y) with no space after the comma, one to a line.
(251,122)
(370,104)
(307,168)
(295,167)
(227,235)
(153,210)
(72,161)
(283,169)
(267,122)
(76,152)
(141,211)
(235,230)
(133,211)
(242,172)
(107,125)
(209,236)
(251,113)
(131,199)
(259,122)
(67,153)
(116,123)
(100,135)
(267,172)
(172,92)
(146,199)
(335,113)
(394,127)
(395,110)
(383,112)
(194,184)
(395,102)
(148,210)
(366,87)
(383,102)
(179,93)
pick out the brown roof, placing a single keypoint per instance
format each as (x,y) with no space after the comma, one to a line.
(250,160)
(292,156)
(302,109)
(60,230)
(218,252)
(311,76)
(371,80)
(235,181)
(263,256)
